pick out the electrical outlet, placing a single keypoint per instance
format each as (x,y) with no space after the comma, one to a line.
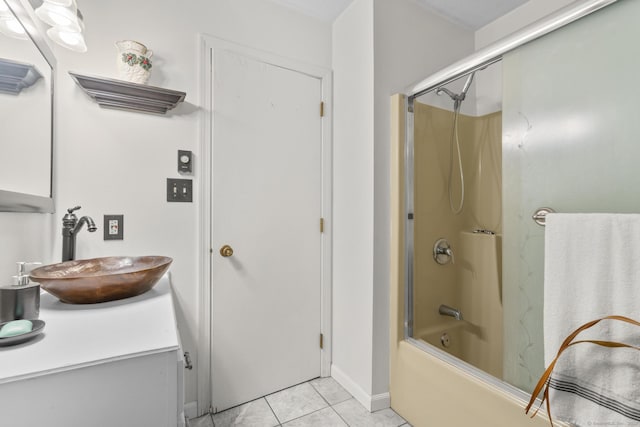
(113,227)
(179,190)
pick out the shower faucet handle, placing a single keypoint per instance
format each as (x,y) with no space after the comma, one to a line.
(442,252)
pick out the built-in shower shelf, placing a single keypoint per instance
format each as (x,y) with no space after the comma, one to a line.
(122,95)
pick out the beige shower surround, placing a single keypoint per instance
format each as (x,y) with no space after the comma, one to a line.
(472,283)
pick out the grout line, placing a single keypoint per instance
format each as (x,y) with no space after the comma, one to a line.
(318,391)
(334,410)
(291,386)
(313,412)
(330,405)
(272,411)
(303,415)
(321,395)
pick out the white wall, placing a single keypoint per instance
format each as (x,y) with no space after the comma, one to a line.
(379,48)
(24,237)
(410,44)
(353,197)
(115,162)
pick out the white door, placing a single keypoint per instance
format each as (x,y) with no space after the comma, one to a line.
(266,206)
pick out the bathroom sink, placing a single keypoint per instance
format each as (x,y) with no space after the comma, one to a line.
(89,281)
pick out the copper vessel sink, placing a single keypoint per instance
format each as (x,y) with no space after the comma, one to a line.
(89,281)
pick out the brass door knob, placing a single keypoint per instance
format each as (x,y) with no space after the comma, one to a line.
(226,251)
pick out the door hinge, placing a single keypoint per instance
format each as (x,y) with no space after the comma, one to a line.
(322,225)
(187,361)
(321,341)
(322,109)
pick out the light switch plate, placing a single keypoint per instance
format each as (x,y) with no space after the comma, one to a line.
(179,190)
(113,227)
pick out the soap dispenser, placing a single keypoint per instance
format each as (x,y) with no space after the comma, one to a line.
(20,299)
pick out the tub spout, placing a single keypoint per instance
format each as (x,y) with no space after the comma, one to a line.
(445,310)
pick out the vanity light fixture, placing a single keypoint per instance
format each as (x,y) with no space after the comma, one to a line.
(59,16)
(66,23)
(64,3)
(69,39)
(9,26)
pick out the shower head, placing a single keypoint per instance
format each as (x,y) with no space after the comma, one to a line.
(442,90)
(457,98)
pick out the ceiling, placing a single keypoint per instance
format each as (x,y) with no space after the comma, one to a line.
(326,10)
(471,14)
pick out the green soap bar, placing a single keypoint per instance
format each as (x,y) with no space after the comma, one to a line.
(16,327)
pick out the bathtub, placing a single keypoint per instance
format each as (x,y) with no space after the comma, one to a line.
(448,336)
(466,341)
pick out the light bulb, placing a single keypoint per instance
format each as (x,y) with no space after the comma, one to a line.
(15,26)
(64,3)
(59,16)
(71,40)
(11,27)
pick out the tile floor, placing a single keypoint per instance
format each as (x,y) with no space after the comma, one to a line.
(321,402)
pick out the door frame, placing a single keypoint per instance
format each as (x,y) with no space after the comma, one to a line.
(205,249)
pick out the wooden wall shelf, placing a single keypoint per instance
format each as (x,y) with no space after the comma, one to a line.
(122,95)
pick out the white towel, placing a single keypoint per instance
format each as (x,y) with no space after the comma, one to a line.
(592,270)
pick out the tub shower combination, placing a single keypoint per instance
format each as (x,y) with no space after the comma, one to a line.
(468,263)
(454,229)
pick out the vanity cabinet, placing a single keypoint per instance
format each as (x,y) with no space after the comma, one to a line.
(100,365)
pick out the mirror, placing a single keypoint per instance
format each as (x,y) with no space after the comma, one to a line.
(26,107)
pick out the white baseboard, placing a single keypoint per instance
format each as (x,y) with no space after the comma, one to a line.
(371,402)
(380,401)
(191,410)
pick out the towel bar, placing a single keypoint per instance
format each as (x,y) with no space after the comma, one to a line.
(541,214)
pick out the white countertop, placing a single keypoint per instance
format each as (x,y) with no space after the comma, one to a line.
(79,335)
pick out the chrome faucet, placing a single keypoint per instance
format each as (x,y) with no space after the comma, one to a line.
(445,310)
(70,227)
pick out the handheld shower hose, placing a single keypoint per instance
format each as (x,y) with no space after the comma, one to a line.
(457,103)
